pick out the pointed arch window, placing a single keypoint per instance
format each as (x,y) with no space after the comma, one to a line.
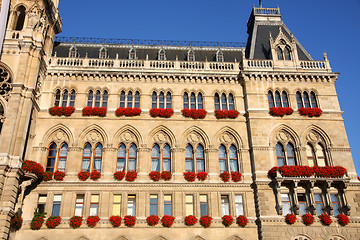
(72,98)
(285,156)
(189,158)
(126,158)
(105,99)
(98,157)
(279,52)
(223,102)
(122,99)
(168,100)
(228,160)
(217,101)
(226,102)
(73,52)
(86,158)
(19,18)
(66,99)
(161,55)
(90,98)
(103,53)
(200,159)
(192,101)
(306,100)
(291,160)
(271,99)
(132,53)
(100,100)
(57,98)
(186,100)
(191,55)
(155,158)
(234,163)
(154,100)
(196,101)
(62,157)
(130,99)
(219,56)
(200,101)
(132,157)
(137,99)
(316,157)
(299,100)
(97,98)
(163,100)
(223,166)
(277,99)
(51,158)
(161,160)
(311,158)
(231,102)
(313,100)
(320,155)
(285,102)
(287,53)
(92,160)
(280,155)
(166,158)
(121,158)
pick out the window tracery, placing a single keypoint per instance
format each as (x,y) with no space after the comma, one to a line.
(129,100)
(315,150)
(162,55)
(219,56)
(92,157)
(56,157)
(65,98)
(305,101)
(283,51)
(73,52)
(161,100)
(5,83)
(278,99)
(226,102)
(127,157)
(100,99)
(132,54)
(191,55)
(194,102)
(286,154)
(103,52)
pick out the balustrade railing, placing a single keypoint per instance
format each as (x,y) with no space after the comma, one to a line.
(313,64)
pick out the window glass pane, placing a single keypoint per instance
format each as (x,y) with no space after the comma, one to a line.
(86,158)
(234,166)
(287,53)
(131,206)
(122,99)
(224,102)
(222,159)
(277,99)
(65,98)
(286,206)
(302,203)
(231,102)
(204,205)
(313,100)
(161,100)
(168,205)
(56,205)
(189,166)
(130,99)
(120,165)
(217,101)
(97,99)
(189,205)
(98,158)
(57,98)
(200,161)
(72,98)
(137,100)
(279,53)
(239,205)
(321,160)
(290,154)
(225,208)
(310,155)
(153,205)
(271,99)
(285,99)
(90,99)
(280,155)
(132,158)
(193,101)
(336,204)
(51,158)
(79,205)
(42,203)
(105,99)
(299,100)
(306,100)
(318,204)
(200,101)
(154,100)
(117,205)
(166,158)
(186,100)
(62,157)
(168,100)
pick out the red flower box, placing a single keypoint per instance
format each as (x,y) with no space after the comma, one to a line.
(343,219)
(95,175)
(190,220)
(290,218)
(61,111)
(129,221)
(155,176)
(166,175)
(33,167)
(91,221)
(227,220)
(115,221)
(205,221)
(160,112)
(129,112)
(47,176)
(332,172)
(189,176)
(16,221)
(236,176)
(53,221)
(152,220)
(75,222)
(83,176)
(131,176)
(59,176)
(94,111)
(272,173)
(242,221)
(311,112)
(167,221)
(358,178)
(225,176)
(325,219)
(308,219)
(194,113)
(119,175)
(281,111)
(36,222)
(306,171)
(221,114)
(201,176)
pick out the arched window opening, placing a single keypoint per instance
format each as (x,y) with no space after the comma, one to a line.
(287,53)
(155,158)
(279,52)
(154,100)
(217,101)
(320,154)
(122,99)
(90,98)
(73,52)
(306,100)
(291,159)
(277,99)
(72,98)
(132,54)
(168,100)
(97,98)
(132,157)
(310,153)
(191,56)
(200,101)
(200,159)
(62,157)
(57,98)
(271,99)
(161,55)
(280,155)
(65,98)
(129,99)
(120,165)
(189,158)
(186,100)
(219,56)
(86,158)
(234,163)
(166,158)
(98,157)
(222,159)
(224,102)
(193,101)
(299,100)
(105,99)
(313,100)
(285,101)
(103,53)
(161,100)
(51,158)
(137,100)
(19,18)
(231,102)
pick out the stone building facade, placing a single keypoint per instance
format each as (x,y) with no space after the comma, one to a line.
(39,72)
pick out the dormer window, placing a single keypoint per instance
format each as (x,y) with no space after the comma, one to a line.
(132,53)
(73,52)
(283,51)
(161,55)
(191,55)
(219,56)
(103,53)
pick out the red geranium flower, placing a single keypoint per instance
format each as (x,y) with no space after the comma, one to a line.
(273,172)
(159,112)
(205,221)
(53,221)
(95,175)
(343,219)
(190,220)
(166,175)
(61,111)
(119,175)
(36,222)
(202,176)
(242,221)
(281,111)
(194,113)
(47,176)
(83,176)
(129,112)
(75,222)
(236,176)
(129,220)
(189,176)
(227,220)
(115,221)
(33,167)
(152,220)
(221,114)
(155,176)
(131,176)
(308,219)
(325,219)
(290,218)
(59,175)
(225,176)
(94,111)
(311,112)
(167,221)
(91,221)
(16,221)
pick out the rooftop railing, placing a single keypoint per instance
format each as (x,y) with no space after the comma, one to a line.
(267,11)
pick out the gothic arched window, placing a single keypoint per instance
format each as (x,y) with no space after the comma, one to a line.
(285,101)
(65,98)
(271,99)
(189,158)
(280,155)
(155,158)
(130,99)
(72,98)
(137,99)
(200,101)
(19,18)
(191,55)
(121,158)
(105,99)
(200,159)
(277,99)
(132,53)
(217,101)
(306,100)
(287,53)
(219,56)
(186,100)
(161,55)
(57,98)
(279,52)
(122,99)
(313,100)
(132,157)
(231,102)
(98,157)
(127,158)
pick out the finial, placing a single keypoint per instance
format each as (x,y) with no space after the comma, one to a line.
(325,56)
(117,56)
(177,58)
(147,56)
(206,59)
(86,56)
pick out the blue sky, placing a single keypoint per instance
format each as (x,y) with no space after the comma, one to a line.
(321,25)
